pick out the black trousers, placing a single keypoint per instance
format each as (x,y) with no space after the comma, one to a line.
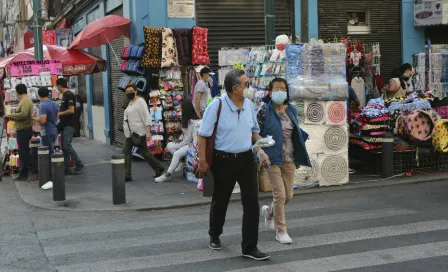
(26,159)
(227,170)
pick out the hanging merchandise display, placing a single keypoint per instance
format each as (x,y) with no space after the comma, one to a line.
(316,73)
(163,72)
(432,72)
(33,82)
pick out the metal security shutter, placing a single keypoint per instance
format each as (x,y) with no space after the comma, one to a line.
(234,23)
(384,21)
(283,13)
(97,82)
(116,46)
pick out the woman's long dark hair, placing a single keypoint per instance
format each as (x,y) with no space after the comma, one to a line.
(188,113)
(268,98)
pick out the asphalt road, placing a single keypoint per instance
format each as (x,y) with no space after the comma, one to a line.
(399,228)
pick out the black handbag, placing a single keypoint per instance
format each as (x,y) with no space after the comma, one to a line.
(137,140)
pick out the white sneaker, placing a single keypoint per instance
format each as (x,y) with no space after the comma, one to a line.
(180,167)
(283,238)
(268,221)
(47,186)
(162,178)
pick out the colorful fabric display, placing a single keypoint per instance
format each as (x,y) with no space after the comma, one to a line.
(136,52)
(169,51)
(200,46)
(294,61)
(442,111)
(152,58)
(184,41)
(440,136)
(419,125)
(125,53)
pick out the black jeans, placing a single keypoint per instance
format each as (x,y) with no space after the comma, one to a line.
(227,170)
(26,160)
(148,156)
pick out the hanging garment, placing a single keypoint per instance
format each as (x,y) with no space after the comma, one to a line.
(358,85)
(169,50)
(199,51)
(183,39)
(214,88)
(379,82)
(153,43)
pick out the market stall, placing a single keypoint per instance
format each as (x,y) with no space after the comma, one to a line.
(21,68)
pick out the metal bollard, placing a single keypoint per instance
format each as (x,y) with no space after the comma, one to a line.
(58,177)
(118,178)
(387,156)
(44,165)
(34,145)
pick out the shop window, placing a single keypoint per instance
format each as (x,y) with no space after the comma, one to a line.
(358,22)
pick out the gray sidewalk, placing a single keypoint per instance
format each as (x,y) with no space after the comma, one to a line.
(92,191)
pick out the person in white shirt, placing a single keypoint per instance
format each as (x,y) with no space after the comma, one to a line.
(202,92)
(407,74)
(137,122)
(180,148)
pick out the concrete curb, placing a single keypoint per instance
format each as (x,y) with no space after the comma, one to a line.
(65,206)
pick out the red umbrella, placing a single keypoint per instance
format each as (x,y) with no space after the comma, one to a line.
(102,31)
(74,62)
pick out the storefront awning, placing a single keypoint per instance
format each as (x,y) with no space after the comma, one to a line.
(430,12)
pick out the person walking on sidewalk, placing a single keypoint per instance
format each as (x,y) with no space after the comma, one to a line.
(48,116)
(179,149)
(233,160)
(137,124)
(202,91)
(24,132)
(67,125)
(278,118)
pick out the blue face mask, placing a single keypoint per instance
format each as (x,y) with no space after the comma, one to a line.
(279,97)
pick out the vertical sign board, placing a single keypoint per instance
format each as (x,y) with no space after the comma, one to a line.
(181,9)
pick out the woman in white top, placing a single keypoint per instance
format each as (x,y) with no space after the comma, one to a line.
(180,147)
(137,121)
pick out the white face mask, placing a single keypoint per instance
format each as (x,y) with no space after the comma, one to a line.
(248,93)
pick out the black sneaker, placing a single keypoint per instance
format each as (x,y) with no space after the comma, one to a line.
(79,168)
(126,179)
(68,171)
(215,244)
(256,254)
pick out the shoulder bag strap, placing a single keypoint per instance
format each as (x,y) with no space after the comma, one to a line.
(127,121)
(218,114)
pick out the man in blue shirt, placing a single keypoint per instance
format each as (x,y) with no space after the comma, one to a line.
(48,115)
(233,161)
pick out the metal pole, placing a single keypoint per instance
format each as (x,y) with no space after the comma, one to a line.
(293,22)
(58,177)
(304,21)
(44,165)
(37,31)
(118,180)
(269,22)
(387,156)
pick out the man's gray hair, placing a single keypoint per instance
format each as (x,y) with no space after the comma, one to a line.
(232,79)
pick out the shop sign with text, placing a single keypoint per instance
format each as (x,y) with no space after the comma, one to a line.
(35,67)
(430,12)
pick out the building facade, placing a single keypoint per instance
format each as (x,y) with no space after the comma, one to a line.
(230,24)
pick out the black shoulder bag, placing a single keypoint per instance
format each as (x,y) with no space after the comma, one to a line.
(137,140)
